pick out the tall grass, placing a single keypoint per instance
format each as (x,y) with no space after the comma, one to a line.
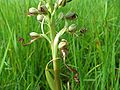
(95,54)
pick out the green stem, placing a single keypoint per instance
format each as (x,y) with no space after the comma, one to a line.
(54,55)
(54,49)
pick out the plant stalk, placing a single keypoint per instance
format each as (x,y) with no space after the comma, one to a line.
(54,56)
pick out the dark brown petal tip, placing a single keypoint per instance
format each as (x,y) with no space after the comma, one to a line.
(76,78)
(21,40)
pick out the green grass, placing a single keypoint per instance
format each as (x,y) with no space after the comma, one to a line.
(96,54)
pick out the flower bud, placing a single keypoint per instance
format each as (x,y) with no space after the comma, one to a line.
(62,44)
(34,34)
(40,17)
(33,11)
(63,48)
(72,28)
(61,3)
(71,16)
(43,9)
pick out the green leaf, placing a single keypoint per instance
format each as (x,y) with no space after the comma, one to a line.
(50,80)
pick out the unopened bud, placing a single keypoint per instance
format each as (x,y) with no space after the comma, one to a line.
(43,9)
(63,48)
(61,3)
(34,34)
(33,11)
(40,17)
(71,15)
(72,28)
(62,44)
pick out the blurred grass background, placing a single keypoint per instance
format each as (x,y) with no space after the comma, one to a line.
(95,54)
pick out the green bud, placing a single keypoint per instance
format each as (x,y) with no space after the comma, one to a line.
(72,28)
(71,16)
(40,17)
(33,11)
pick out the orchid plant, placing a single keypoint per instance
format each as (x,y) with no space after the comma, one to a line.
(45,13)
